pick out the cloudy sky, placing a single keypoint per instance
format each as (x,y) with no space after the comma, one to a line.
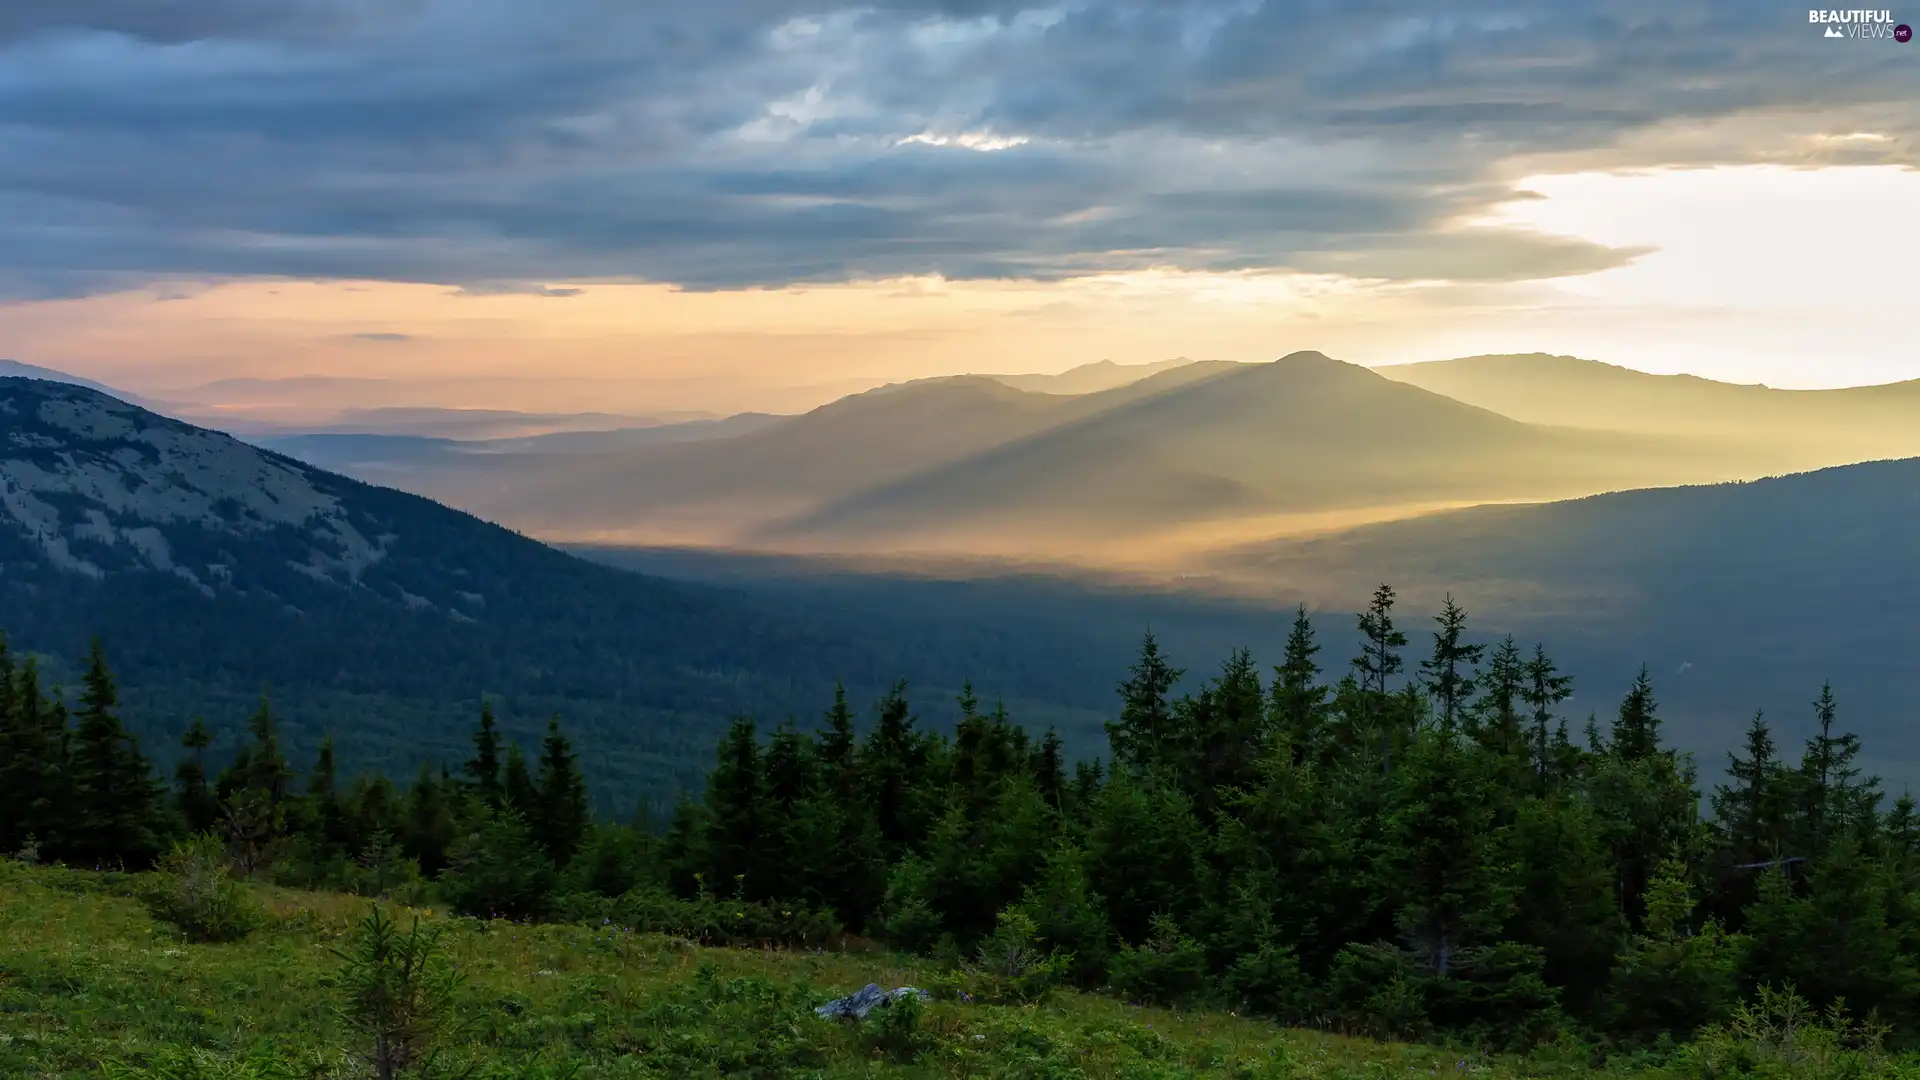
(752,203)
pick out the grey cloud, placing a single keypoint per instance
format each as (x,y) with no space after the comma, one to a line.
(515,147)
(383,336)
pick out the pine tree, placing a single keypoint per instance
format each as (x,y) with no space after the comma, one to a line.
(736,811)
(1448,674)
(1545,689)
(1833,800)
(895,766)
(117,802)
(1297,700)
(1379,660)
(31,763)
(329,812)
(563,819)
(1144,735)
(1636,731)
(1498,723)
(430,828)
(1750,808)
(516,786)
(1050,770)
(193,796)
(484,768)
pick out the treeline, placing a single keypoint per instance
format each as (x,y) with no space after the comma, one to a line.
(1404,849)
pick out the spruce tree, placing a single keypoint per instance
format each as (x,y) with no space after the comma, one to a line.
(1297,700)
(1144,734)
(516,785)
(1379,660)
(117,801)
(1636,730)
(1545,689)
(1499,724)
(563,818)
(483,771)
(1750,808)
(1833,799)
(737,812)
(193,796)
(1448,674)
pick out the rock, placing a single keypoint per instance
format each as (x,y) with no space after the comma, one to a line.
(857,1006)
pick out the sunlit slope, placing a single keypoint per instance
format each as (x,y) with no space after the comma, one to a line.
(1799,428)
(1305,435)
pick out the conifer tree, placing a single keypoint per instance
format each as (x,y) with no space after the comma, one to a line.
(516,785)
(332,831)
(29,763)
(1636,730)
(895,763)
(1545,689)
(1297,699)
(1050,770)
(1379,660)
(117,802)
(1144,735)
(1498,722)
(563,819)
(1833,799)
(1750,808)
(193,796)
(483,770)
(736,807)
(430,828)
(1448,674)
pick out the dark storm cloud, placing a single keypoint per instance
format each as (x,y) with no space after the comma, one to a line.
(504,146)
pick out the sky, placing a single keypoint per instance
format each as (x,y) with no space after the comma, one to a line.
(581,204)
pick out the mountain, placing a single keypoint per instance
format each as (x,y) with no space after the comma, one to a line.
(388,458)
(1305,437)
(721,491)
(213,569)
(14,369)
(1800,429)
(1089,378)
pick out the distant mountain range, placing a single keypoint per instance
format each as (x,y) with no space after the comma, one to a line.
(1196,454)
(1089,378)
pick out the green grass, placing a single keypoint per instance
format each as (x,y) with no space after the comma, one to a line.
(88,977)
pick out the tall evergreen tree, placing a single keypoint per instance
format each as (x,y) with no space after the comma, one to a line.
(194,800)
(1448,674)
(1499,724)
(1379,660)
(483,769)
(1636,730)
(1297,700)
(117,801)
(737,812)
(1545,689)
(516,784)
(1833,799)
(562,816)
(1144,734)
(1751,808)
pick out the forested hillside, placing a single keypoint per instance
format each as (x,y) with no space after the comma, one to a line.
(1414,844)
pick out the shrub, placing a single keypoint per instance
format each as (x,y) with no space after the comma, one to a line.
(1010,966)
(199,895)
(399,993)
(1168,969)
(1778,1036)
